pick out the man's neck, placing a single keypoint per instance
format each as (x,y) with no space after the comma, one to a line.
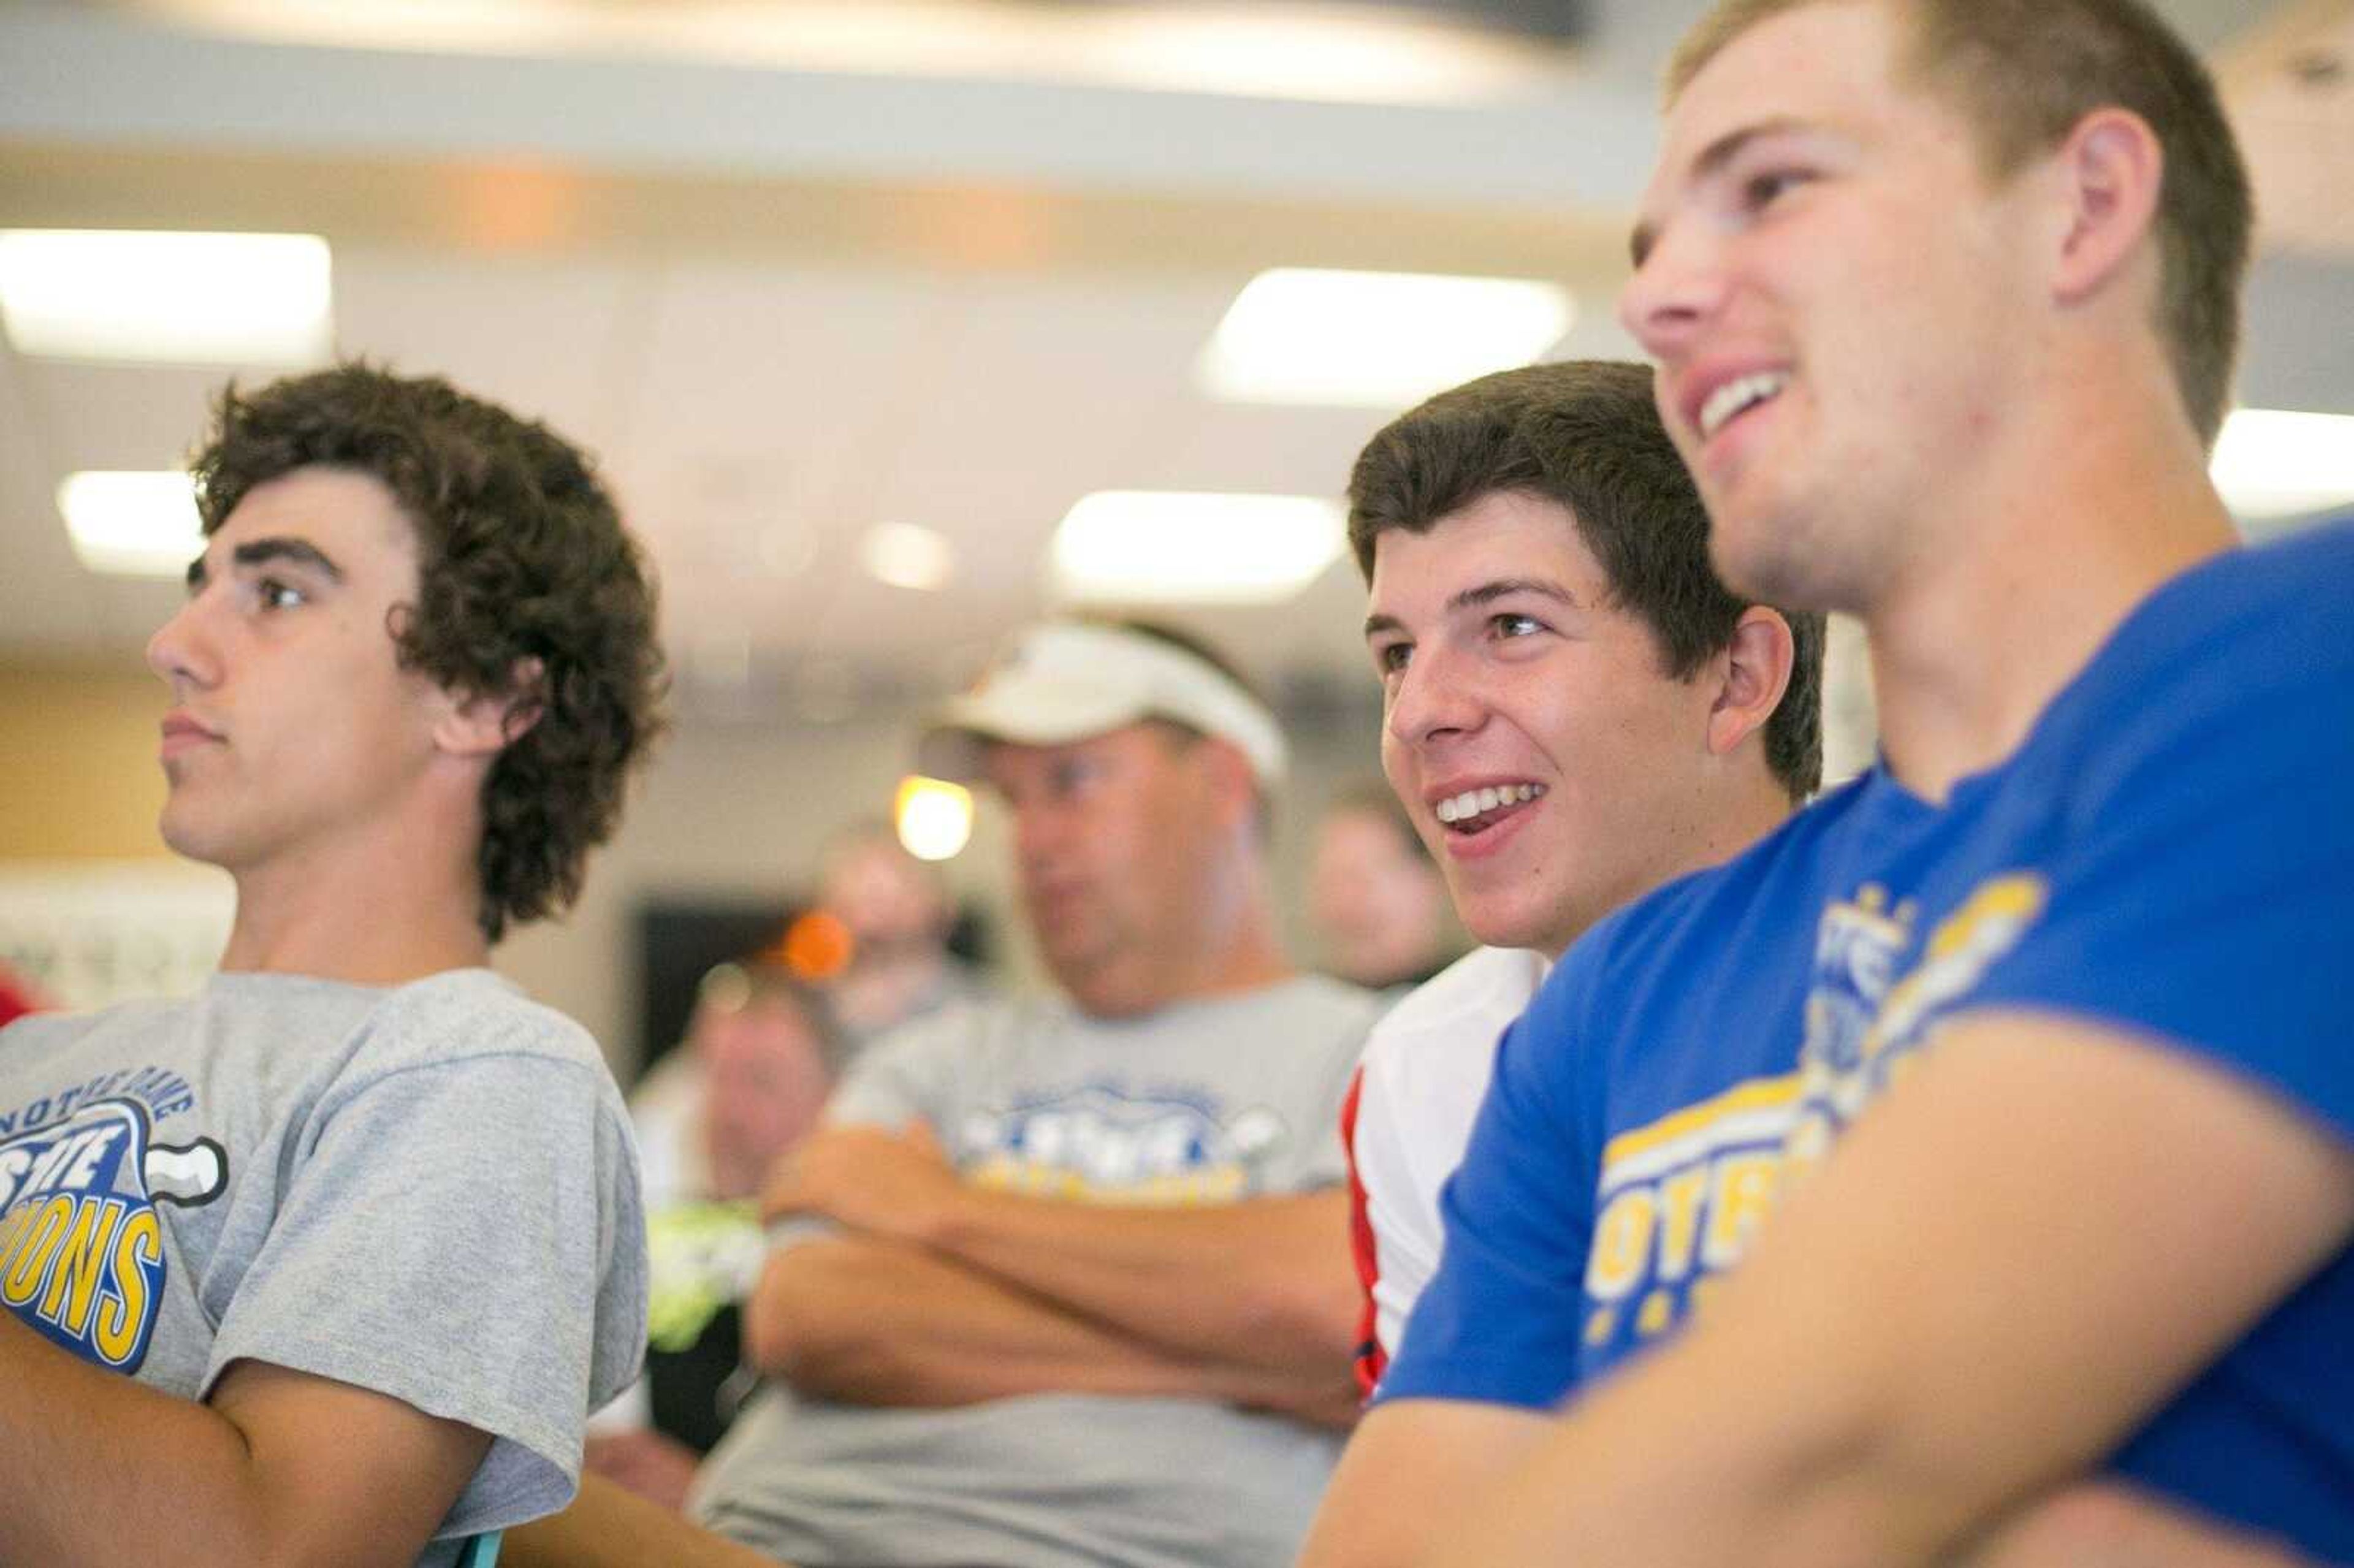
(1248,959)
(2058,550)
(371,919)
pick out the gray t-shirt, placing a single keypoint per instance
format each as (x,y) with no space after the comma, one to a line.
(428,1190)
(1202,1103)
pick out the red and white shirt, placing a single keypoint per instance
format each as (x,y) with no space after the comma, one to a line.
(1405,1122)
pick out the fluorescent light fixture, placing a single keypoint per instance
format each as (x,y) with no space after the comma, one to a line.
(1374,340)
(2273,463)
(137,525)
(908,556)
(1180,547)
(167,298)
(934,816)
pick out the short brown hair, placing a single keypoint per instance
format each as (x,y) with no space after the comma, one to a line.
(2023,73)
(521,563)
(1586,435)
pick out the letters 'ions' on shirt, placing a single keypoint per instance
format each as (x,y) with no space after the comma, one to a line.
(82,1252)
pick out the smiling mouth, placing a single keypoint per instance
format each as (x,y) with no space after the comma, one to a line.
(1738,396)
(1477,811)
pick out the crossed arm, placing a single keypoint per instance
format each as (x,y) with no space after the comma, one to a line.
(1981,1294)
(276,1466)
(944,1293)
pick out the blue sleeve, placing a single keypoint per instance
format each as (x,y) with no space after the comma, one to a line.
(1500,1322)
(2203,888)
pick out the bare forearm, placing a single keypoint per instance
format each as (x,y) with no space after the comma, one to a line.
(606,1527)
(1263,1284)
(874,1323)
(97,1467)
(1925,1342)
(94,1463)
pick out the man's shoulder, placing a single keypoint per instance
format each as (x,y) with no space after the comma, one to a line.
(2274,609)
(38,1032)
(461,1013)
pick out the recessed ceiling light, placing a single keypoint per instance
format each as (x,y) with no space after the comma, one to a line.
(934,816)
(2270,462)
(133,524)
(908,556)
(167,298)
(1182,548)
(1375,340)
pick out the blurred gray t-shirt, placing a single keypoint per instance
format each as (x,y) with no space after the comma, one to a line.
(1207,1102)
(428,1190)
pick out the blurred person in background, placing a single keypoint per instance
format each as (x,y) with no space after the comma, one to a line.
(761,1056)
(1376,901)
(1068,1282)
(18,997)
(893,919)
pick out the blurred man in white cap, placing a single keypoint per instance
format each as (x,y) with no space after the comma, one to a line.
(1083,1294)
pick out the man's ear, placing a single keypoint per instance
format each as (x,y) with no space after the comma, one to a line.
(487,722)
(2111,170)
(1752,673)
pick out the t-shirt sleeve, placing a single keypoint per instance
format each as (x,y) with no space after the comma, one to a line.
(1500,1320)
(464,1235)
(1401,1220)
(2201,894)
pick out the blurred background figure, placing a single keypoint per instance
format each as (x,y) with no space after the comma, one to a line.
(18,997)
(1378,907)
(878,939)
(760,1056)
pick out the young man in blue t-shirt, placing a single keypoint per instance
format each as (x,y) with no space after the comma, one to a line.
(1944,297)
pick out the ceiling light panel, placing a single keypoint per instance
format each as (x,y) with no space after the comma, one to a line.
(133,524)
(1186,547)
(1375,340)
(156,298)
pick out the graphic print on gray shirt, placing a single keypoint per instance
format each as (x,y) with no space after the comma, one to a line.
(1207,1102)
(428,1190)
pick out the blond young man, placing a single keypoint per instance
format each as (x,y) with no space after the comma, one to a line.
(2011,1076)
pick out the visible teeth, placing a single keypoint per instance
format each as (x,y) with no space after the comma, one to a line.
(1471,803)
(1737,395)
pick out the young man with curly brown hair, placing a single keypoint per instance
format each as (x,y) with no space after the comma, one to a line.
(330,1262)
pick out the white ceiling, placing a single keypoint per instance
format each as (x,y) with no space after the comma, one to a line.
(786,305)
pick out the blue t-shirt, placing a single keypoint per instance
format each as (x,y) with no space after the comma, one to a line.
(2171,850)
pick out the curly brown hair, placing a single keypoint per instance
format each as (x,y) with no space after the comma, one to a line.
(529,589)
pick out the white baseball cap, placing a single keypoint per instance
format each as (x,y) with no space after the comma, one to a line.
(1063,681)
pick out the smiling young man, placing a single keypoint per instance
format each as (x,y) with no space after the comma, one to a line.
(333,1260)
(2033,1039)
(1575,711)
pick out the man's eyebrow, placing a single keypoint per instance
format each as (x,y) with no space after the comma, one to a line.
(1379,623)
(1503,588)
(287,551)
(1711,162)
